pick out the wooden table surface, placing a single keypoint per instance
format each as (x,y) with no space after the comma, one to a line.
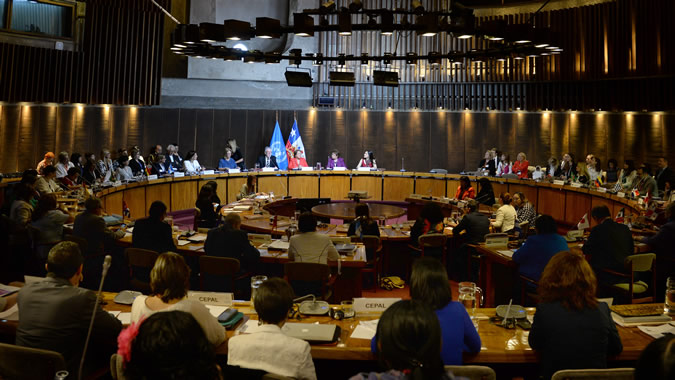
(346,211)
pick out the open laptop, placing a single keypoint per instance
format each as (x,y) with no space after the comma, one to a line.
(312,332)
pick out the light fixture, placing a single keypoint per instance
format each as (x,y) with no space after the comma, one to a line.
(342,78)
(355,6)
(191,34)
(298,78)
(297,54)
(210,32)
(465,36)
(341,59)
(387,21)
(542,45)
(303,25)
(434,58)
(266,27)
(417,7)
(411,58)
(519,33)
(327,6)
(387,59)
(318,61)
(385,78)
(236,30)
(427,25)
(345,24)
(493,30)
(364,59)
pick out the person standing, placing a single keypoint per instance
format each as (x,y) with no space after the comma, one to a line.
(236,153)
(665,178)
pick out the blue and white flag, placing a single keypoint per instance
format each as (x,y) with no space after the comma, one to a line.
(278,148)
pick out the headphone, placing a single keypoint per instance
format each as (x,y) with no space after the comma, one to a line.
(336,313)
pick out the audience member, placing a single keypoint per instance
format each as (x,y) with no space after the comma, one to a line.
(63,165)
(334,160)
(485,194)
(124,172)
(612,171)
(47,161)
(267,160)
(227,162)
(475,226)
(268,348)
(429,285)
(155,151)
(430,221)
(214,196)
(571,329)
(152,232)
(665,178)
(644,182)
(236,153)
(538,249)
(520,167)
(608,245)
(552,167)
(140,157)
(310,246)
(169,345)
(662,245)
(368,160)
(136,163)
(207,213)
(48,220)
(464,190)
(567,167)
(159,166)
(583,176)
(409,344)
(627,175)
(229,240)
(247,188)
(190,164)
(106,168)
(90,176)
(55,313)
(487,164)
(173,159)
(72,180)
(506,215)
(593,167)
(169,281)
(657,360)
(525,211)
(47,184)
(504,166)
(363,224)
(21,210)
(121,153)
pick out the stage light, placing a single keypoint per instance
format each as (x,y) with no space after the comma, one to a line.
(387,59)
(385,78)
(387,21)
(236,30)
(341,59)
(364,59)
(417,7)
(342,78)
(318,61)
(434,58)
(427,25)
(296,54)
(328,6)
(494,30)
(345,24)
(266,27)
(303,25)
(355,6)
(210,32)
(298,78)
(411,58)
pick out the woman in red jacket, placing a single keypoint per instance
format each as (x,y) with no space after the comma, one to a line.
(520,166)
(464,190)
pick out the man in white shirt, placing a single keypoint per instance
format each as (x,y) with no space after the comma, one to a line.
(267,348)
(63,165)
(594,170)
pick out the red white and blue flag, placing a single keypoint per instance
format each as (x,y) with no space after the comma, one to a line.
(294,144)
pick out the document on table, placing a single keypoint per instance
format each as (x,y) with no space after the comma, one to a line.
(11,314)
(183,242)
(281,245)
(365,330)
(657,332)
(125,318)
(507,252)
(197,238)
(216,310)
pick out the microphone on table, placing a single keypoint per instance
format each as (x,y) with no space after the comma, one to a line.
(106,265)
(312,307)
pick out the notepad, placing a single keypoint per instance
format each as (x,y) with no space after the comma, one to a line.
(183,242)
(506,252)
(281,245)
(125,318)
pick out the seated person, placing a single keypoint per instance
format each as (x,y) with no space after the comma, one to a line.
(409,344)
(72,180)
(21,211)
(267,160)
(363,224)
(248,188)
(229,240)
(124,172)
(475,225)
(310,246)
(334,160)
(136,163)
(208,217)
(47,161)
(268,349)
(430,221)
(89,174)
(49,220)
(665,177)
(429,285)
(657,360)
(485,194)
(227,162)
(46,183)
(538,249)
(159,166)
(662,245)
(190,164)
(608,246)
(157,348)
(152,232)
(506,215)
(169,280)
(644,182)
(297,161)
(55,313)
(464,190)
(582,176)
(368,160)
(571,329)
(525,211)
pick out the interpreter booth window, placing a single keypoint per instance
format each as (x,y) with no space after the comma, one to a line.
(3,13)
(42,18)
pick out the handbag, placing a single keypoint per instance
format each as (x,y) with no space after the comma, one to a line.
(391,283)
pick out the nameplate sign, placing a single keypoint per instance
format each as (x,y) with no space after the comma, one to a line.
(558,182)
(672,197)
(306,168)
(152,177)
(178,174)
(575,234)
(212,298)
(498,241)
(621,194)
(575,185)
(461,204)
(339,168)
(363,169)
(231,171)
(268,169)
(601,190)
(373,305)
(209,172)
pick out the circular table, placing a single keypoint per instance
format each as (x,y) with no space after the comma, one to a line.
(346,211)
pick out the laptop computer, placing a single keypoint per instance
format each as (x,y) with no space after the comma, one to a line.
(311,332)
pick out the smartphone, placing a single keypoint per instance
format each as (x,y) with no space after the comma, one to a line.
(227,315)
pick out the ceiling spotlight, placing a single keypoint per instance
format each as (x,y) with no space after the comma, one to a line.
(355,6)
(387,27)
(327,6)
(427,25)
(266,27)
(519,33)
(434,58)
(191,34)
(236,30)
(345,24)
(342,78)
(417,7)
(210,32)
(464,36)
(298,78)
(494,30)
(364,59)
(385,78)
(297,54)
(303,25)
(411,58)
(318,61)
(387,59)
(341,59)
(552,47)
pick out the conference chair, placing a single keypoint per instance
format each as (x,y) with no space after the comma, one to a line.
(140,262)
(20,363)
(117,367)
(222,267)
(472,372)
(36,262)
(528,290)
(373,266)
(594,374)
(644,262)
(433,242)
(306,278)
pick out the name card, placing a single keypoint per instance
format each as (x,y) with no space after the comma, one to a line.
(601,190)
(621,194)
(363,169)
(461,204)
(306,168)
(641,201)
(268,169)
(372,305)
(209,172)
(575,234)
(152,177)
(178,174)
(575,185)
(212,298)
(672,197)
(339,168)
(497,241)
(231,171)
(559,182)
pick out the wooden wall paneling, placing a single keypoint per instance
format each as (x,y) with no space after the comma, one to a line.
(396,187)
(159,192)
(437,137)
(370,183)
(221,133)
(576,206)
(577,137)
(356,142)
(186,130)
(649,136)
(135,199)
(334,186)
(100,133)
(456,143)
(314,139)
(540,127)
(136,130)
(30,119)
(45,133)
(303,186)
(65,130)
(159,129)
(616,137)
(334,134)
(237,122)
(596,132)
(560,135)
(113,203)
(277,183)
(499,188)
(413,141)
(204,138)
(433,185)
(234,183)
(506,134)
(83,132)
(183,194)
(529,191)
(551,202)
(475,145)
(259,132)
(668,125)
(118,119)
(452,185)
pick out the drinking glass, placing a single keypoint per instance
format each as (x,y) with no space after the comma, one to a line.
(467,296)
(169,220)
(257,166)
(318,166)
(347,308)
(255,284)
(669,306)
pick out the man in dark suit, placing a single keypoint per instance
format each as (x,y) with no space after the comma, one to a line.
(608,246)
(55,313)
(665,178)
(268,160)
(152,232)
(476,226)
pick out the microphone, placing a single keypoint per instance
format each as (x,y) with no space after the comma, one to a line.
(106,265)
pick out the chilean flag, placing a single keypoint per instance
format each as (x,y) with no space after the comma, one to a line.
(294,144)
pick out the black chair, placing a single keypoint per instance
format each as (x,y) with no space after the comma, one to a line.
(20,363)
(140,262)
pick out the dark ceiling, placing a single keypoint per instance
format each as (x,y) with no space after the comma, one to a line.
(496,3)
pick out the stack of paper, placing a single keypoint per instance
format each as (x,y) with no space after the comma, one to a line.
(365,329)
(657,332)
(280,245)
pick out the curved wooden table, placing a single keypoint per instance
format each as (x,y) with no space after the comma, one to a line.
(347,211)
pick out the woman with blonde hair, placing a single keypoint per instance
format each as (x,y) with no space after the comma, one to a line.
(520,167)
(582,173)
(571,328)
(236,153)
(169,281)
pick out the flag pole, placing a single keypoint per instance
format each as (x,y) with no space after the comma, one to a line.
(277,115)
(295,115)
